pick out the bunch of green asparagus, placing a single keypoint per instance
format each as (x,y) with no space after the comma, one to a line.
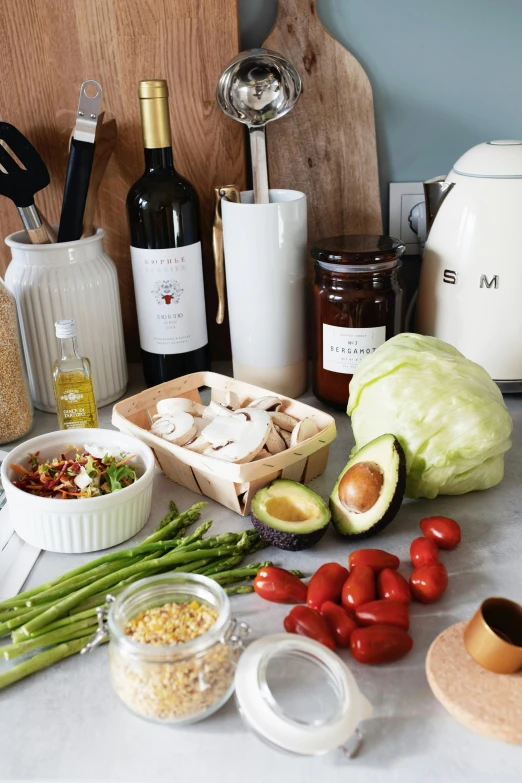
(59,617)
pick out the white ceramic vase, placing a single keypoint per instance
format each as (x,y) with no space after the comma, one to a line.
(265,248)
(68,280)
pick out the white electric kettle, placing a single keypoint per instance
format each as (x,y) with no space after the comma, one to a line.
(470,292)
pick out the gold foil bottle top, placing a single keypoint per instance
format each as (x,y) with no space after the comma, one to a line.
(153,88)
(154,107)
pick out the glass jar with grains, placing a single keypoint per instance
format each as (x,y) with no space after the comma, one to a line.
(173,647)
(16,410)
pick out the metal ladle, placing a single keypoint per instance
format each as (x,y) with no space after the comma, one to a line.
(256,87)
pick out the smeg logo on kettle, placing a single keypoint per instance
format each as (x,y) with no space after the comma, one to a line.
(449,276)
(493,283)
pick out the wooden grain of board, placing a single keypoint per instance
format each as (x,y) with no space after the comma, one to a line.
(326,145)
(49,47)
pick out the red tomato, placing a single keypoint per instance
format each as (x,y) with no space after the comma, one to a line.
(309,622)
(341,624)
(280,586)
(377,559)
(423,551)
(359,588)
(383,613)
(444,531)
(393,586)
(380,644)
(429,582)
(326,584)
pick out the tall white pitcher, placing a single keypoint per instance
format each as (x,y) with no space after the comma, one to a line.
(265,249)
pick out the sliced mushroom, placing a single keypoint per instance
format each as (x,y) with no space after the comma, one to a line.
(238,437)
(266,403)
(283,420)
(162,425)
(275,443)
(178,428)
(302,431)
(198,444)
(214,409)
(232,401)
(285,435)
(179,405)
(262,454)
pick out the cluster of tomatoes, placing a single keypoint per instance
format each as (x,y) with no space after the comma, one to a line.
(364,607)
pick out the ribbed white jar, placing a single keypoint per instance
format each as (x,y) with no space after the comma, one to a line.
(68,280)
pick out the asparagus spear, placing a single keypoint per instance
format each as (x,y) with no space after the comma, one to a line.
(61,607)
(189,516)
(75,631)
(239,589)
(42,660)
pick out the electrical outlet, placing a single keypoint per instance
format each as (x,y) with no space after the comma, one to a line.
(404,196)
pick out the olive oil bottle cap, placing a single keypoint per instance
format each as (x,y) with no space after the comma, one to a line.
(66,328)
(154,107)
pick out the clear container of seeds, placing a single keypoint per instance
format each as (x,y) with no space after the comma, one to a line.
(173,647)
(16,409)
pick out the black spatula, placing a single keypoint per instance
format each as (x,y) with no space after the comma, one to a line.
(20,184)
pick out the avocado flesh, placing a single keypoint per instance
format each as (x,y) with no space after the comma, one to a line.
(289,515)
(387,453)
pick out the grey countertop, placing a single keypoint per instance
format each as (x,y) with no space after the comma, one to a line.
(66,723)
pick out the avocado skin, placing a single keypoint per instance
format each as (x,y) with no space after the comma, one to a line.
(392,510)
(292,542)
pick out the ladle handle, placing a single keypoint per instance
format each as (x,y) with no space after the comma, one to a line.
(259,165)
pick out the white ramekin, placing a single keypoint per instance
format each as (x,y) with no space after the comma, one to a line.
(86,524)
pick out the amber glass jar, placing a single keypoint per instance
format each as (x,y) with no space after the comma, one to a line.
(358,305)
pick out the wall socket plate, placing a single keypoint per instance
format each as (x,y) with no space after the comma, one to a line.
(403,197)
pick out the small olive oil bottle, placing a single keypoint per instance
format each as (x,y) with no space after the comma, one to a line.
(72,381)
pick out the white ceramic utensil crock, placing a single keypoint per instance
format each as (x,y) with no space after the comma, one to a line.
(86,524)
(68,280)
(266,274)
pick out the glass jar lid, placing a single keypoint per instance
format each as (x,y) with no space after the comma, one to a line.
(357,250)
(298,696)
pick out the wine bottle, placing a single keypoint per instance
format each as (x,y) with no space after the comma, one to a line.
(163,213)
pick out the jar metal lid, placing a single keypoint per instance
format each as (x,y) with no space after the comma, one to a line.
(349,269)
(357,249)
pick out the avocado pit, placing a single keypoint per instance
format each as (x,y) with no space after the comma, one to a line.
(361,486)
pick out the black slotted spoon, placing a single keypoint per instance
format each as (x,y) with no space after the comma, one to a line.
(20,184)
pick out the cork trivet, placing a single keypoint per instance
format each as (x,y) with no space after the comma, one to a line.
(490,704)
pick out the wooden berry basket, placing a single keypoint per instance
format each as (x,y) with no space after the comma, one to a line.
(228,483)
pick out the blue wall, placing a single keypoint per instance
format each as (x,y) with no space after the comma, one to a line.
(446,74)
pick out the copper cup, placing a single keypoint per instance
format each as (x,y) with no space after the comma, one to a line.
(493,636)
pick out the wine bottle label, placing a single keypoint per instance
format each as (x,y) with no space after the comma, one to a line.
(344,347)
(170,298)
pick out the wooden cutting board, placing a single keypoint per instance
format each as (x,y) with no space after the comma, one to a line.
(326,145)
(49,48)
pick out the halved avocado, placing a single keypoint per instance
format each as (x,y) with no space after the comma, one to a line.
(369,491)
(289,515)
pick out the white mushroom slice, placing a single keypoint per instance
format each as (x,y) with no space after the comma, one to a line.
(174,405)
(266,403)
(302,431)
(200,424)
(198,444)
(183,428)
(162,425)
(232,401)
(214,409)
(275,443)
(261,455)
(283,420)
(238,437)
(287,436)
